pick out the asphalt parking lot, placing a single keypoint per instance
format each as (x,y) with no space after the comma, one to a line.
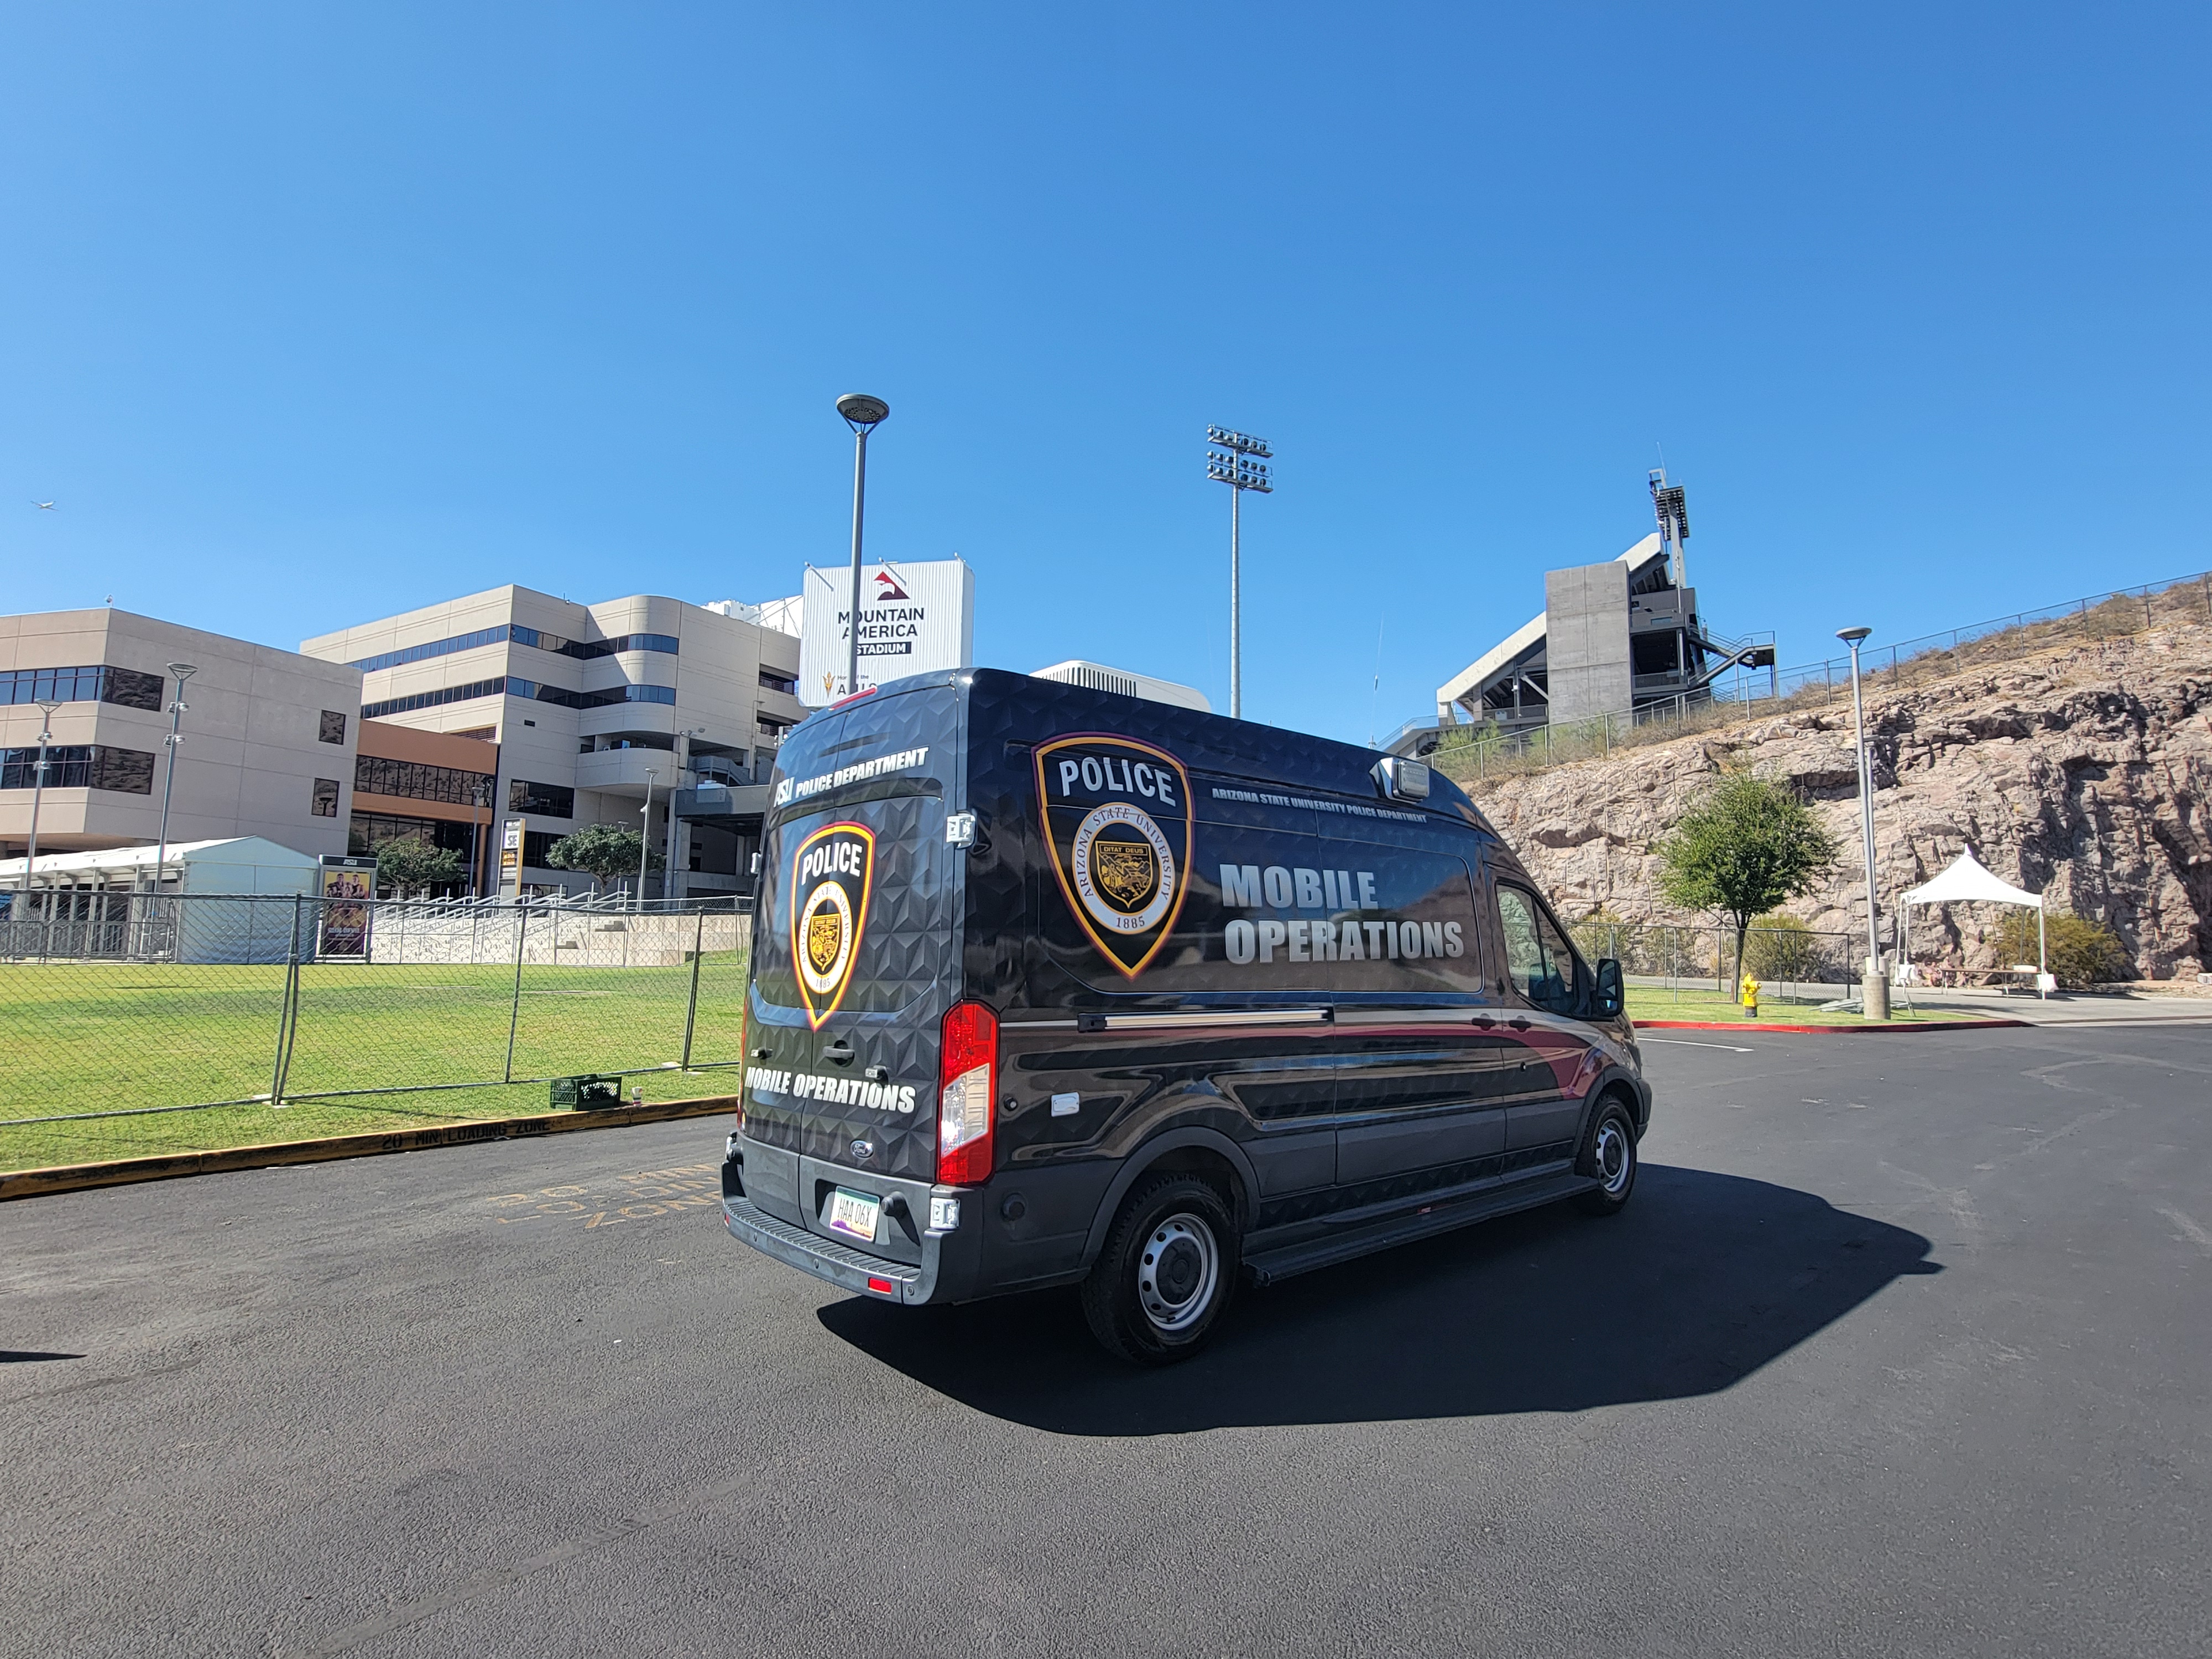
(1900,1349)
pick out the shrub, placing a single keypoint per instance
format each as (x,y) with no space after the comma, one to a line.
(1782,948)
(2082,952)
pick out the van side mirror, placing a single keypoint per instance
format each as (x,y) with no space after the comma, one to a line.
(1608,998)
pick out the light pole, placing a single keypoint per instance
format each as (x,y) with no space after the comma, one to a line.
(1873,989)
(645,836)
(863,413)
(1236,461)
(479,799)
(39,788)
(183,670)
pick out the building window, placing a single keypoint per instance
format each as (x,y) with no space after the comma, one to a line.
(417,781)
(80,766)
(473,690)
(514,686)
(326,797)
(537,849)
(333,727)
(773,729)
(126,688)
(548,800)
(481,733)
(773,680)
(367,831)
(536,639)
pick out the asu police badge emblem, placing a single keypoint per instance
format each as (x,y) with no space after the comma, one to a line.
(1117,817)
(830,875)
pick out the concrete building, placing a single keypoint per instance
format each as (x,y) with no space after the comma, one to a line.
(269,735)
(582,702)
(434,787)
(1619,639)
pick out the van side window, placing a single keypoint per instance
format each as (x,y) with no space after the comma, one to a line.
(1539,961)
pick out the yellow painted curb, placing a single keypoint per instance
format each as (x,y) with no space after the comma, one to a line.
(72,1177)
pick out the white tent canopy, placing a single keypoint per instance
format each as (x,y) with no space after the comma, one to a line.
(1968,881)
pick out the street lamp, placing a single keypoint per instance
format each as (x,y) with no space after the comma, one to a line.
(863,413)
(39,787)
(1873,989)
(644,833)
(1235,460)
(183,670)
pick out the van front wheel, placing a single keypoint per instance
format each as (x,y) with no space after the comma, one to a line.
(1609,1153)
(1166,1274)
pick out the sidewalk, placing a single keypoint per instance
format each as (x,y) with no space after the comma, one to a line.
(2072,1007)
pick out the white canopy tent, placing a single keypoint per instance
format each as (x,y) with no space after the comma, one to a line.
(1968,881)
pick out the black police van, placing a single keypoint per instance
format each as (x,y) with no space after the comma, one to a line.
(1053,986)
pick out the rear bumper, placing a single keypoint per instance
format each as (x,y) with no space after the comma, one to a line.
(944,1270)
(847,1268)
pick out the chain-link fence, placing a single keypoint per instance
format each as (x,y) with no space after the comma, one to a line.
(119,1002)
(1792,964)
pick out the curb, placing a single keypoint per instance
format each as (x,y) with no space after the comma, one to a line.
(117,1172)
(1891,1030)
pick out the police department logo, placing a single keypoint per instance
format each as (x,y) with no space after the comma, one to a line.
(1117,814)
(831,873)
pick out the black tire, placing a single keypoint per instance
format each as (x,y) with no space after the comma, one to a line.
(1609,1154)
(1167,1273)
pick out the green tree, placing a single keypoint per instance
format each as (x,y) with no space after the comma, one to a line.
(2082,952)
(604,852)
(1746,845)
(409,864)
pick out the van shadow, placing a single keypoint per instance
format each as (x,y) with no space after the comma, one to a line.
(1702,1280)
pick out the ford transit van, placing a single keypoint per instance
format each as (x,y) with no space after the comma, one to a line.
(1051,985)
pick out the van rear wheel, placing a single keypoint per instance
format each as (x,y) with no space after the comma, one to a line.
(1169,1266)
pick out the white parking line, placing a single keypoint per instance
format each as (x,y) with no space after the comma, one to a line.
(1684,1042)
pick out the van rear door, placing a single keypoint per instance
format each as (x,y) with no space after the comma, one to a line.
(855,953)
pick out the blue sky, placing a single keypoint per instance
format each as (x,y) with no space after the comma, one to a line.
(313,314)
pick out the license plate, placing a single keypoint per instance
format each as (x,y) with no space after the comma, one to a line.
(854,1213)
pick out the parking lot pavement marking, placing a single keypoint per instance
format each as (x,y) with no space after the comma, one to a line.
(1684,1042)
(636,1197)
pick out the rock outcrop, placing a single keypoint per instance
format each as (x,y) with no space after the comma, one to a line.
(2083,772)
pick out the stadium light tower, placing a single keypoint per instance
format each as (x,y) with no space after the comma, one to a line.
(1237,459)
(1666,501)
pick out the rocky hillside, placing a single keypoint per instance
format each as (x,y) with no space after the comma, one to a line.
(2083,771)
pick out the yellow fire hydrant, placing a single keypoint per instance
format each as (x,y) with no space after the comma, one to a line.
(1749,997)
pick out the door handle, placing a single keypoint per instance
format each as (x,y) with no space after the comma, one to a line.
(762,1054)
(1518,1024)
(1485,1022)
(838,1052)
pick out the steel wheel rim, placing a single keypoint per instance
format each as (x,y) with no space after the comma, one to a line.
(1613,1161)
(1177,1273)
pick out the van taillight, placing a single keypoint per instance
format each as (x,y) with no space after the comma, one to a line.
(968,1079)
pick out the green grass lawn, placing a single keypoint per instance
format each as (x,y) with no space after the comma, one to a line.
(98,1037)
(94,1037)
(1656,1002)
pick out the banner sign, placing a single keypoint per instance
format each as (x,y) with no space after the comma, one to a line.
(345,885)
(914,619)
(510,858)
